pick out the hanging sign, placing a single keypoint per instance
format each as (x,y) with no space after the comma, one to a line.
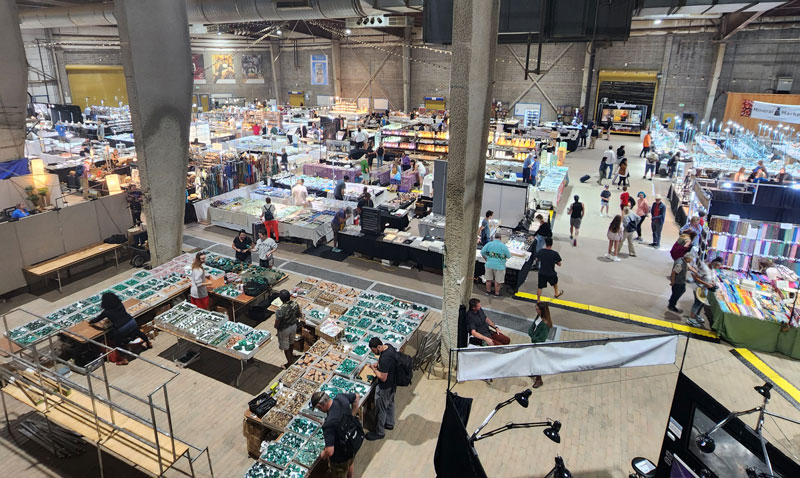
(771,111)
(319,69)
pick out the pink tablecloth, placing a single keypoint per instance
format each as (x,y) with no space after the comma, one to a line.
(407,181)
(380,175)
(330,172)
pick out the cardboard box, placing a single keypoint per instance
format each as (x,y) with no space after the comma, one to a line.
(330,338)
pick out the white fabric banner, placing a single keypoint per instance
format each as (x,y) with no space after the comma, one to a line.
(775,112)
(482,363)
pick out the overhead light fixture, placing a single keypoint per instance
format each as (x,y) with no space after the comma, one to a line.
(348,31)
(279,32)
(657,21)
(219,33)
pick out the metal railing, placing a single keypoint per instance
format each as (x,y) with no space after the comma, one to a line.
(40,356)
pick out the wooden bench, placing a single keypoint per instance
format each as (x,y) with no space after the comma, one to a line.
(65,261)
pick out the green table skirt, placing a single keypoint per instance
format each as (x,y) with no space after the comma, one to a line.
(754,334)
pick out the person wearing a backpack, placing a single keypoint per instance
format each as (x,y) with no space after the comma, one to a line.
(341,430)
(385,391)
(268,217)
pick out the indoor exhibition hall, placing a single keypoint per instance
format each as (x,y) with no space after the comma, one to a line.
(400,238)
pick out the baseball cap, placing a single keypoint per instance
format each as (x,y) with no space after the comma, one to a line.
(316,397)
(658,196)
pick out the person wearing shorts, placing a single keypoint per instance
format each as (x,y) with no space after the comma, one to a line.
(496,254)
(286,318)
(548,260)
(575,211)
(605,195)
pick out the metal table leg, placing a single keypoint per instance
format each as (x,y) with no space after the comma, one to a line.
(244,364)
(116,257)
(58,276)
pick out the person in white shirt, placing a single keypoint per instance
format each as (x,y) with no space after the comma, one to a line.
(421,171)
(265,246)
(361,138)
(611,160)
(299,194)
(198,293)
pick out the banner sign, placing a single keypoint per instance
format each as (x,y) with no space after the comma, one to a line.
(252,69)
(198,69)
(771,111)
(222,67)
(485,363)
(319,69)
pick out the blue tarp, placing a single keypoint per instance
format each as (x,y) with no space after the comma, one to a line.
(17,167)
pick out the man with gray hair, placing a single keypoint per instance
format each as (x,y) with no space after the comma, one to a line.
(341,430)
(677,279)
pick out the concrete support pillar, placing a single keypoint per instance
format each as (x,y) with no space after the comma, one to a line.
(13,83)
(658,108)
(406,68)
(471,88)
(160,97)
(712,89)
(585,81)
(274,50)
(336,59)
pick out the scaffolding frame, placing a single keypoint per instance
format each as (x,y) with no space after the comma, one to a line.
(39,356)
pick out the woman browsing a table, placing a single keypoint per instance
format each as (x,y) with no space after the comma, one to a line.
(198,293)
(123,326)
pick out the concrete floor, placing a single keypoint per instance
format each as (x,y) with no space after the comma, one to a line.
(609,416)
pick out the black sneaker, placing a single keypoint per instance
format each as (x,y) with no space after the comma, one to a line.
(388,427)
(372,436)
(674,309)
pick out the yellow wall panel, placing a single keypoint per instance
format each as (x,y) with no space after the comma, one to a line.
(97,83)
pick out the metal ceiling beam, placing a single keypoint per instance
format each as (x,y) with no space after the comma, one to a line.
(377,84)
(535,81)
(733,23)
(374,74)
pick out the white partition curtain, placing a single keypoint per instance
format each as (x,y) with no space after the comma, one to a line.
(525,360)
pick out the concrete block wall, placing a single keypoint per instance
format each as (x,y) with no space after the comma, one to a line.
(688,77)
(755,60)
(294,74)
(388,83)
(250,91)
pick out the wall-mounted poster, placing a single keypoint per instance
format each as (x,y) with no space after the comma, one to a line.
(319,69)
(222,68)
(198,69)
(252,69)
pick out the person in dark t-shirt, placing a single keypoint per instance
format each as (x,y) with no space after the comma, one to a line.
(384,393)
(341,466)
(243,245)
(548,260)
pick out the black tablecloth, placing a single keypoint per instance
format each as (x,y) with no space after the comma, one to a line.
(396,222)
(372,246)
(189,215)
